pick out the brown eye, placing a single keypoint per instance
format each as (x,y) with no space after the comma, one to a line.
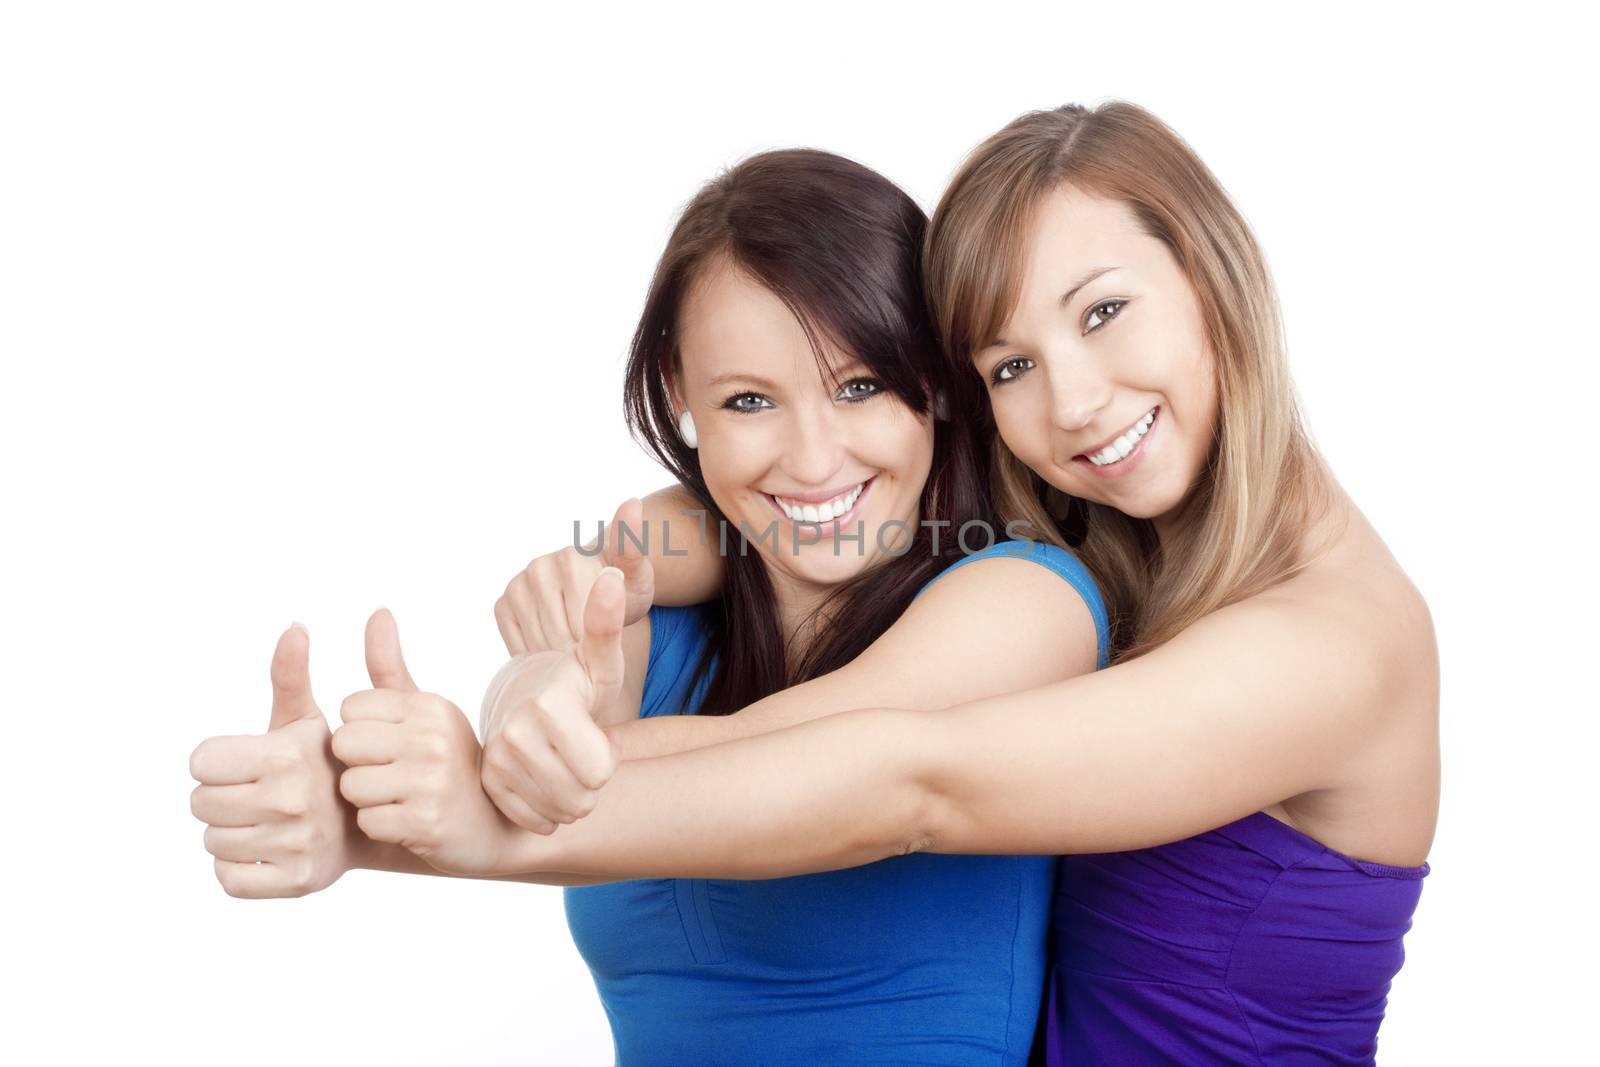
(1103,312)
(1009,369)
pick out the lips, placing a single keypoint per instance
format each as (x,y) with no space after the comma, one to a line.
(1119,445)
(798,515)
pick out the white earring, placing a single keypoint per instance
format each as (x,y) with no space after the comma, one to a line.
(686,430)
(941,407)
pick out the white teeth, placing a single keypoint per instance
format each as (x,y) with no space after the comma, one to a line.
(1119,448)
(824,512)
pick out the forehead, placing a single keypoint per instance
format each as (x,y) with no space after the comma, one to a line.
(732,324)
(1074,231)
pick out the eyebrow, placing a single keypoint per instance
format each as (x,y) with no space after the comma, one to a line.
(1066,297)
(843,370)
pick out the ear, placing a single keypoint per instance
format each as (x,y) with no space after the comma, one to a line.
(674,389)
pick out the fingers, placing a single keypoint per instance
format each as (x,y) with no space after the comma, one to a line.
(584,751)
(549,602)
(526,765)
(239,844)
(291,679)
(381,705)
(601,648)
(253,881)
(509,631)
(385,665)
(367,741)
(229,760)
(516,809)
(233,805)
(621,552)
(370,787)
(385,822)
(521,595)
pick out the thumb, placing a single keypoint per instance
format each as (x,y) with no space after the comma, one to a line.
(291,679)
(385,665)
(638,576)
(600,651)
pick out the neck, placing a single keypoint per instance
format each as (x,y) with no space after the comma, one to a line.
(796,602)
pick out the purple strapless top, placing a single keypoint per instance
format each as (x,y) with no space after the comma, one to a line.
(1248,944)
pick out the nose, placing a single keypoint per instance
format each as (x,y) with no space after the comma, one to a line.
(1078,393)
(815,450)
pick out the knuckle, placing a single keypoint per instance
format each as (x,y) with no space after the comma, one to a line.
(291,803)
(433,746)
(301,841)
(301,877)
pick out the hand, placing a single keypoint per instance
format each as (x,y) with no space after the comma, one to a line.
(545,757)
(542,607)
(414,767)
(275,822)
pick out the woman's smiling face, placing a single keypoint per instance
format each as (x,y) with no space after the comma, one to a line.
(1102,380)
(780,445)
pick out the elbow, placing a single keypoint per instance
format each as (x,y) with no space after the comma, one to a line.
(918,807)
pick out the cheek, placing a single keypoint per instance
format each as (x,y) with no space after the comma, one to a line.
(1020,425)
(731,458)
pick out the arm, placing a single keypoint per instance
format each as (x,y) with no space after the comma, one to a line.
(958,641)
(695,576)
(381,856)
(1256,703)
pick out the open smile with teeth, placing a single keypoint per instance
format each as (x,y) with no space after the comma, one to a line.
(823,512)
(1118,450)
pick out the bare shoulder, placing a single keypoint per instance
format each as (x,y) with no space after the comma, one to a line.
(1357,589)
(1374,620)
(986,626)
(1047,610)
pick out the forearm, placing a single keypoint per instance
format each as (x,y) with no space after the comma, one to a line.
(668,735)
(381,856)
(839,792)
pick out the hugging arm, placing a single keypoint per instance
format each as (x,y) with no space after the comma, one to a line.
(1255,703)
(960,640)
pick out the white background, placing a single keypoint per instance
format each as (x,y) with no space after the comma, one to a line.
(306,309)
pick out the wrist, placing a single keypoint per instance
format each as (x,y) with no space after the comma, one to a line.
(525,852)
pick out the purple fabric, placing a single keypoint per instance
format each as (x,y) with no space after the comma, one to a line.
(1248,944)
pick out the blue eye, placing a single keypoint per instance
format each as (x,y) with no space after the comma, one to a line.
(1102,313)
(733,403)
(850,396)
(1009,369)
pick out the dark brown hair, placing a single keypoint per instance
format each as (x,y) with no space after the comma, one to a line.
(841,246)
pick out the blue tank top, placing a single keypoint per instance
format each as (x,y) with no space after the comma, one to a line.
(924,958)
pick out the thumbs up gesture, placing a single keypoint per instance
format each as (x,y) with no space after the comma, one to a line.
(275,822)
(542,607)
(414,766)
(545,756)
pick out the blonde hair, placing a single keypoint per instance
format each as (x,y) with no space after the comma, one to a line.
(1242,527)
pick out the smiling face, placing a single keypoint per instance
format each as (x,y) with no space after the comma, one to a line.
(1102,379)
(780,446)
